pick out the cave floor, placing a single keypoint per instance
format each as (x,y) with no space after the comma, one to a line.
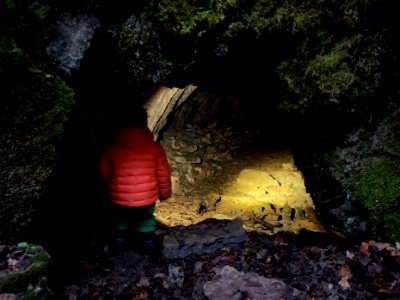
(262,188)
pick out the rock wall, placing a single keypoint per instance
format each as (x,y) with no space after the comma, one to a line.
(363,176)
(198,140)
(199,131)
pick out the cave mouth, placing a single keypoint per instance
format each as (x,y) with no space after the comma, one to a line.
(229,147)
(225,163)
(228,164)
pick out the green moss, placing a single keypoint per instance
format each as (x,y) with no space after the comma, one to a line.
(316,83)
(291,16)
(377,188)
(325,63)
(10,4)
(186,17)
(8,45)
(34,108)
(31,281)
(258,18)
(57,100)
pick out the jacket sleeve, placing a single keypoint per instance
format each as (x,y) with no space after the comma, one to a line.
(163,173)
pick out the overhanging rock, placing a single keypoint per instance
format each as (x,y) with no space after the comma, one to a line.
(160,105)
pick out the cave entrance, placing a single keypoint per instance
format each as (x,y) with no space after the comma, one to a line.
(229,159)
(225,166)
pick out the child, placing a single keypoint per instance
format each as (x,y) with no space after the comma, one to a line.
(137,173)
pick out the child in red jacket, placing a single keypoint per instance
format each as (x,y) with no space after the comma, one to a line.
(136,171)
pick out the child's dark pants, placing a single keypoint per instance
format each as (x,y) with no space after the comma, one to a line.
(130,222)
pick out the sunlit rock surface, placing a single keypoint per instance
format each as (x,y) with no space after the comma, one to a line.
(164,101)
(263,189)
(216,174)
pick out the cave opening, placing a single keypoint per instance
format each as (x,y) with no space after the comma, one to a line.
(230,149)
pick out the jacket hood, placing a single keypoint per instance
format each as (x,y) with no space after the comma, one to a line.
(135,136)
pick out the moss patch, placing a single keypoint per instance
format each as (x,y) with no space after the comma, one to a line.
(377,188)
(34,108)
(30,280)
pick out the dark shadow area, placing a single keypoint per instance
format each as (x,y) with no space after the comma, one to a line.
(74,211)
(74,208)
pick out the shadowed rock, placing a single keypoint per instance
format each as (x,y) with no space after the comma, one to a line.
(204,237)
(230,284)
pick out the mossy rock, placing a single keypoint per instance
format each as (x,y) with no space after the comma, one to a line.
(377,187)
(28,281)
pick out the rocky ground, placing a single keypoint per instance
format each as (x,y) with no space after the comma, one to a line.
(269,245)
(306,266)
(248,231)
(254,266)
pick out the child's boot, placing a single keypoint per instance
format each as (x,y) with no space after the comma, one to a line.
(119,245)
(151,246)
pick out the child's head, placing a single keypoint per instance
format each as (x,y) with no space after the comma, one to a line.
(135,116)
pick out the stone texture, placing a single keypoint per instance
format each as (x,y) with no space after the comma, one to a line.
(230,284)
(204,237)
(162,103)
(263,189)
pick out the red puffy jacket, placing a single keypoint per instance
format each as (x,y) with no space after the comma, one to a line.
(136,169)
